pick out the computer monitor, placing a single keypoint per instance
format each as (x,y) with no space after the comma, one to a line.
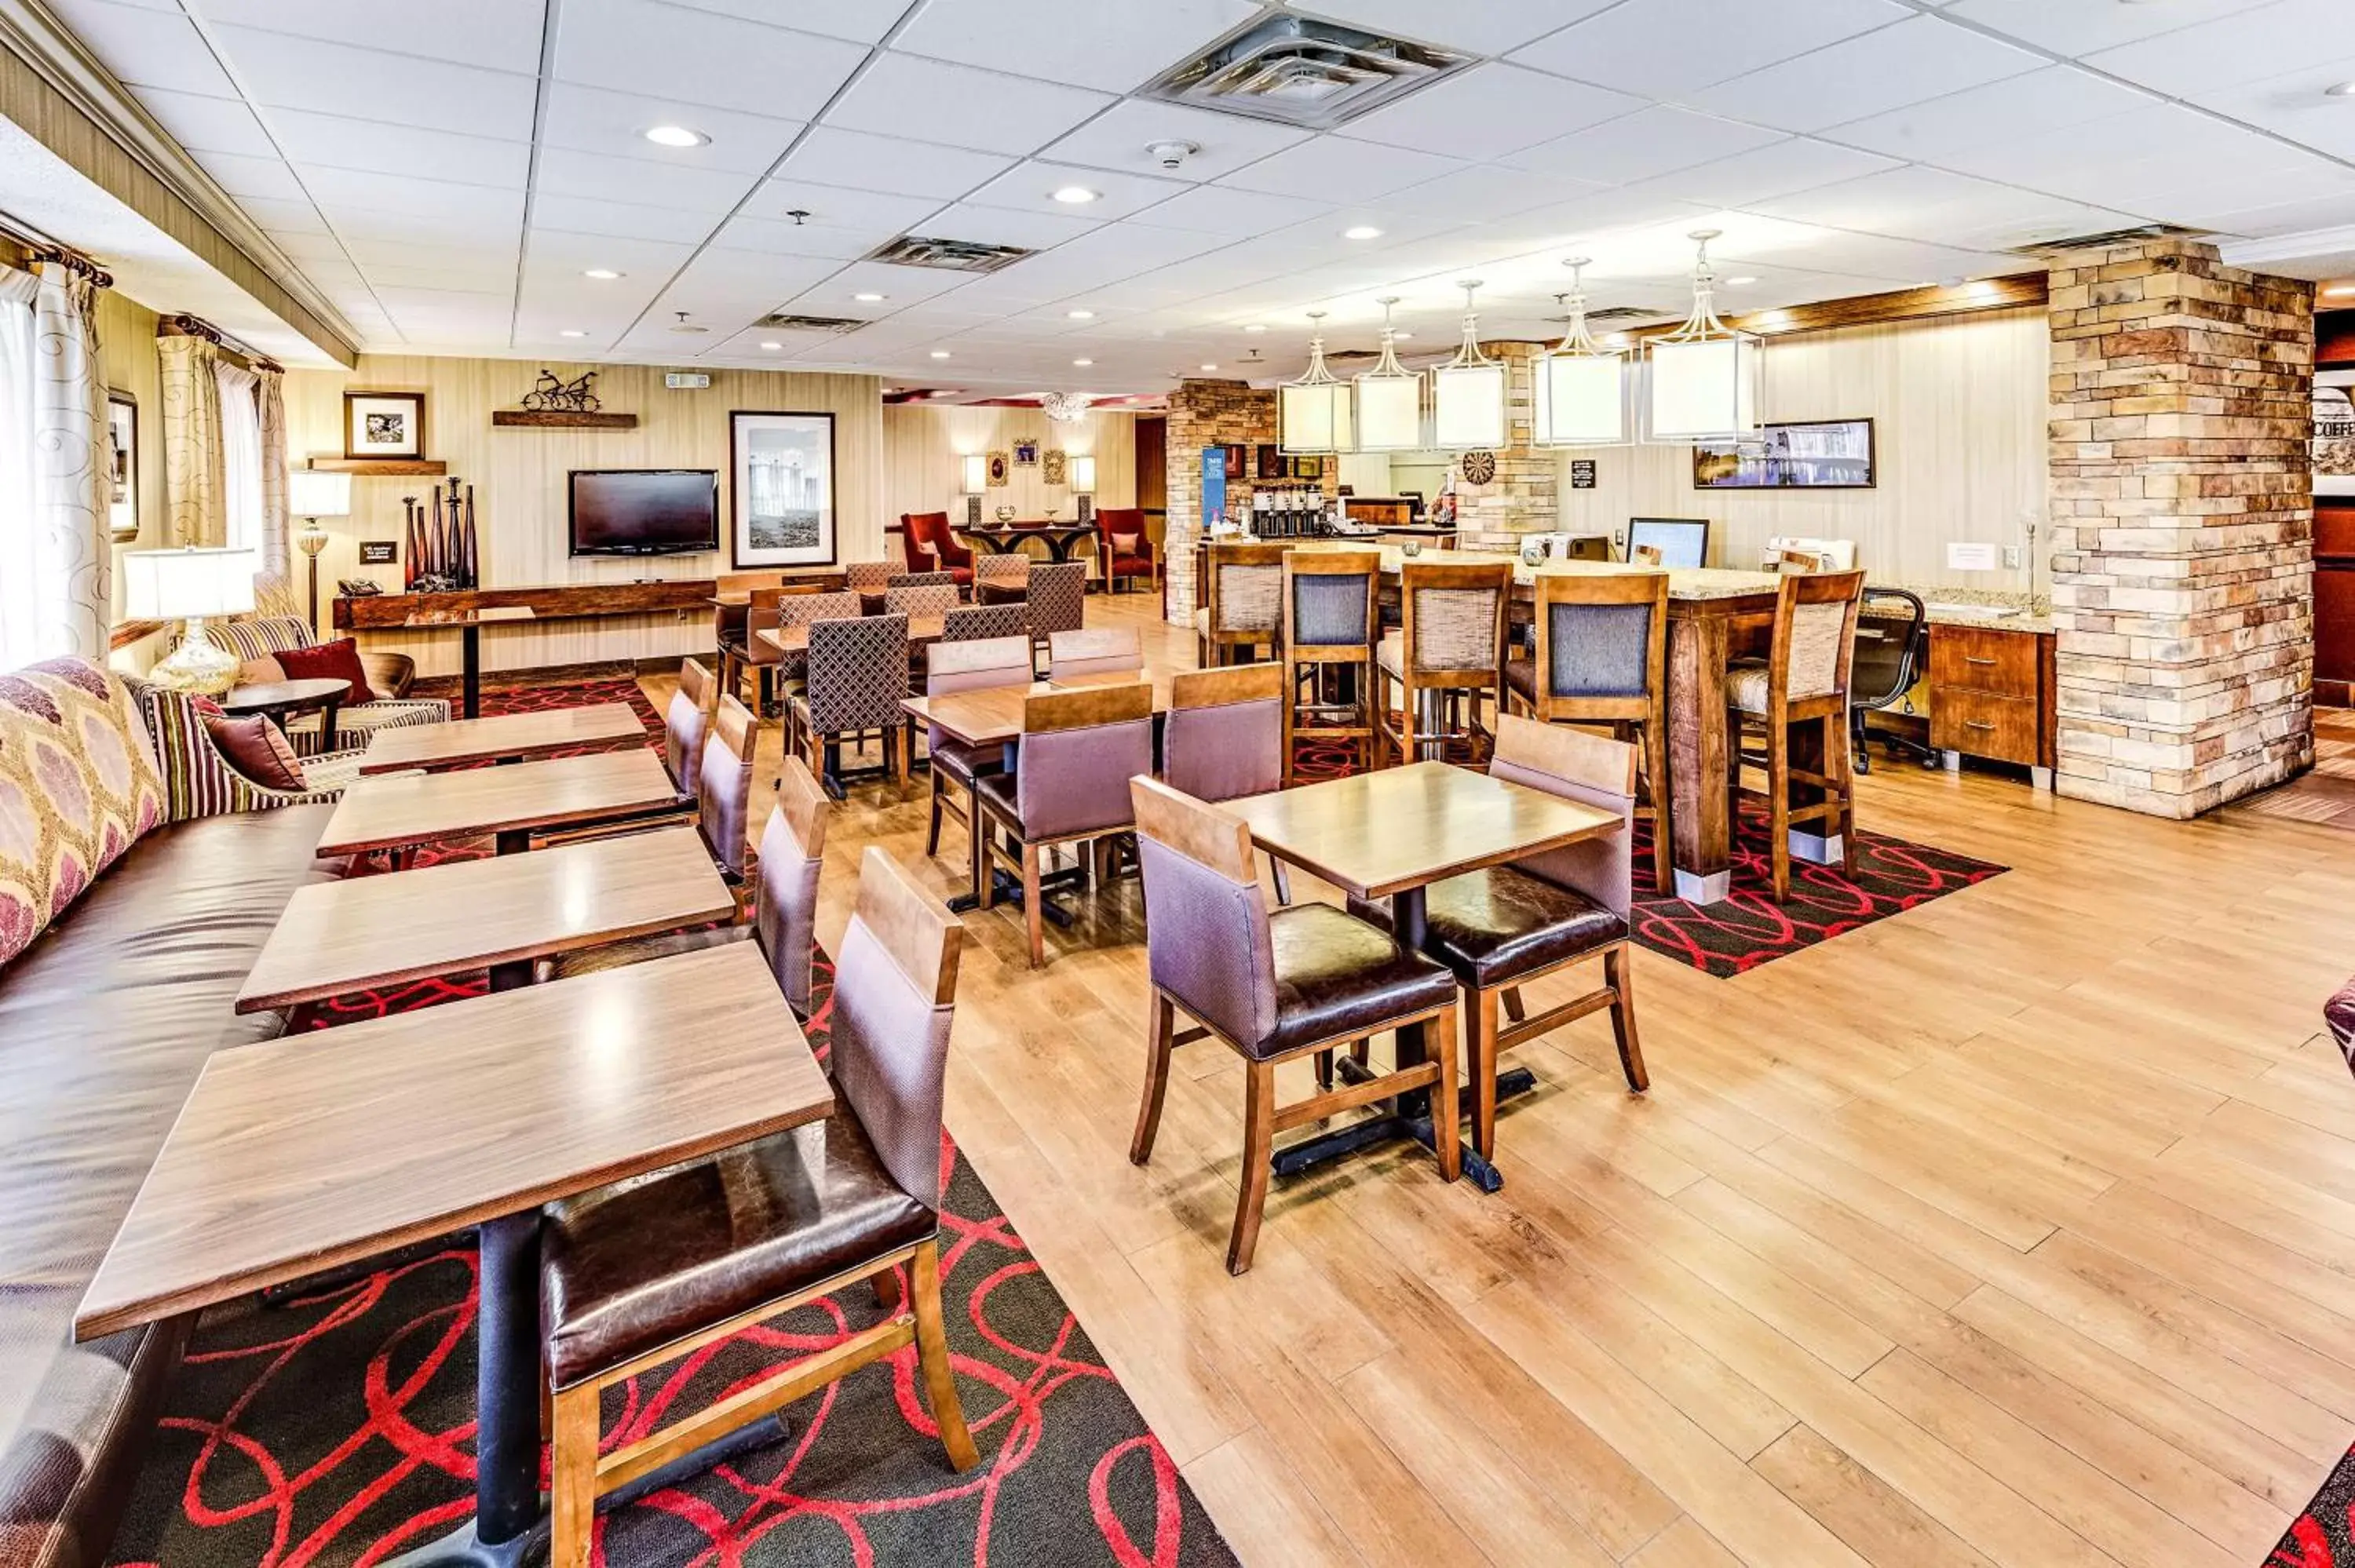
(1681,541)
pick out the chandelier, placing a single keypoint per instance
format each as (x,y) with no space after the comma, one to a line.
(1468,393)
(1066,408)
(1582,387)
(1314,414)
(1704,374)
(1390,398)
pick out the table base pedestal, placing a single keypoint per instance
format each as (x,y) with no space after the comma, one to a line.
(1325,1148)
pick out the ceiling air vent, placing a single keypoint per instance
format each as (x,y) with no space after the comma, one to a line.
(1300,71)
(1621,314)
(2139,234)
(785,321)
(948,255)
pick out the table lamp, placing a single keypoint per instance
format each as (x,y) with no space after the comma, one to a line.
(189,584)
(1083,483)
(311,495)
(977,479)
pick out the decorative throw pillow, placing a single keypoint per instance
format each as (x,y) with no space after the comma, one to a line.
(254,747)
(265,671)
(1126,544)
(336,661)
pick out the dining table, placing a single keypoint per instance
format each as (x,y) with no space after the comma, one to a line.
(1386,836)
(289,1158)
(507,804)
(501,738)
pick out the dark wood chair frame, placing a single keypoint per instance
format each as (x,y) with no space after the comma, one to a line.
(1408,737)
(1217,647)
(1044,714)
(1319,662)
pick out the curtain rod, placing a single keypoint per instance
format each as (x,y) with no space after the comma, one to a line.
(45,249)
(185,325)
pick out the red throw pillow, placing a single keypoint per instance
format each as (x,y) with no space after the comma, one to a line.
(254,747)
(336,661)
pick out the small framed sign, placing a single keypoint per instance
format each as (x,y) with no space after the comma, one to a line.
(379,552)
(1582,474)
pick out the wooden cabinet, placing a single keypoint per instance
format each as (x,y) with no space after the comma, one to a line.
(1992,695)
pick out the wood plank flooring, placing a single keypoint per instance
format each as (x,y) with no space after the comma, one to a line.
(2016,1230)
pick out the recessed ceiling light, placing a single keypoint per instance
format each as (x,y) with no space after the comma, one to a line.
(1080,315)
(869,299)
(1362,231)
(772,345)
(2344,89)
(940,353)
(1074,195)
(1740,283)
(1210,368)
(602,274)
(1083,363)
(572,332)
(675,136)
(1255,327)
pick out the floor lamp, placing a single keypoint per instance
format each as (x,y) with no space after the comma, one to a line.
(311,495)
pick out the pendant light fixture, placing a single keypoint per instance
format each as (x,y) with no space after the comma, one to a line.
(1704,374)
(1316,413)
(1582,387)
(1390,398)
(1468,393)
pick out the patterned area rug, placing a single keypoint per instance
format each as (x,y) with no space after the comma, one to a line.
(2324,1535)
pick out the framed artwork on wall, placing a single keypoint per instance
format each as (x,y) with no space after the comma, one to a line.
(1051,465)
(384,424)
(783,492)
(1026,454)
(1814,454)
(2334,432)
(123,466)
(998,470)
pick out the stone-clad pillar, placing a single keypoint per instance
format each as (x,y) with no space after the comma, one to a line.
(2182,527)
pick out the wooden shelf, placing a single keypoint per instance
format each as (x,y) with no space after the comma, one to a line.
(388,467)
(556,601)
(527,418)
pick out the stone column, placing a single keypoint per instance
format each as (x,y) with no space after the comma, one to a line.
(1525,496)
(2182,527)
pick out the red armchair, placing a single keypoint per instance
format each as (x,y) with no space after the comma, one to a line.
(1127,552)
(925,539)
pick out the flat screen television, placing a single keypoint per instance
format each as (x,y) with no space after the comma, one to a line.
(645,511)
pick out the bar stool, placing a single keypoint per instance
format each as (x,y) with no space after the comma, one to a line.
(1450,642)
(1603,659)
(1330,619)
(1242,603)
(1794,705)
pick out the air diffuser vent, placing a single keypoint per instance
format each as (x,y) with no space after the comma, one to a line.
(1300,71)
(2139,234)
(785,321)
(948,255)
(1622,313)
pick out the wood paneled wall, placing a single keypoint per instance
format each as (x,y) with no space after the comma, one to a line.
(128,362)
(924,445)
(1958,406)
(520,485)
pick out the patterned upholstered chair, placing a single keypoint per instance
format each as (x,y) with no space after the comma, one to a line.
(198,781)
(256,640)
(1059,599)
(1275,987)
(1095,651)
(1330,620)
(1128,553)
(792,669)
(1001,577)
(752,1232)
(868,579)
(686,720)
(1800,693)
(858,674)
(986,622)
(1450,645)
(921,600)
(967,667)
(1242,601)
(1070,786)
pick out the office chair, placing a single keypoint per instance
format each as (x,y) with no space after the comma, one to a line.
(1892,648)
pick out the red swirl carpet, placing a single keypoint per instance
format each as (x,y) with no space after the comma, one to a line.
(2324,1535)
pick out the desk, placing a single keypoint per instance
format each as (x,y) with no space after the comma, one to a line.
(506,738)
(433,808)
(337,937)
(291,1157)
(470,623)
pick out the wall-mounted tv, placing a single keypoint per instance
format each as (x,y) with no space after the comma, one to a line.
(1814,454)
(645,511)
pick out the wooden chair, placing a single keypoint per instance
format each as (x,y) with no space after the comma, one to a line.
(853,1199)
(733,625)
(967,667)
(1097,650)
(1794,706)
(1224,737)
(1068,786)
(686,718)
(1331,618)
(921,600)
(1450,645)
(1213,949)
(858,674)
(1058,600)
(1242,600)
(1603,659)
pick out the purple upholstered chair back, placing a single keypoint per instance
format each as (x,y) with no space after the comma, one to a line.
(684,722)
(857,672)
(1224,736)
(1206,934)
(723,786)
(793,847)
(1080,750)
(1097,651)
(975,667)
(1577,766)
(894,1000)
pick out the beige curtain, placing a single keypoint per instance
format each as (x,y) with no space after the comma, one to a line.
(195,496)
(277,547)
(55,555)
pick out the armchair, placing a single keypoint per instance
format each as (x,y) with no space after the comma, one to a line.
(257,641)
(1127,552)
(198,781)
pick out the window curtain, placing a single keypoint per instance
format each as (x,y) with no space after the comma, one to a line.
(20,598)
(194,495)
(240,445)
(277,534)
(56,553)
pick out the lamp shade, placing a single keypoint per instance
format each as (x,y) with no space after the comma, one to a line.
(1390,413)
(175,585)
(1315,417)
(1083,473)
(312,493)
(1581,400)
(1703,388)
(1468,406)
(977,473)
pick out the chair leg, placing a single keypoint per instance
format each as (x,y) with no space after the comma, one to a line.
(1446,1101)
(1513,1008)
(1619,969)
(1161,1023)
(1842,757)
(932,835)
(1258,1148)
(888,1292)
(1324,1060)
(1032,914)
(984,866)
(1655,780)
(1482,1017)
(1778,807)
(933,1354)
(572,1474)
(1283,881)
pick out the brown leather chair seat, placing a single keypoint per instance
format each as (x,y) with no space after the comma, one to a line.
(1521,676)
(1493,927)
(631,1268)
(641,951)
(1335,975)
(966,763)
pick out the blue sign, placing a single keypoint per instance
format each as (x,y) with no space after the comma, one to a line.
(1214,486)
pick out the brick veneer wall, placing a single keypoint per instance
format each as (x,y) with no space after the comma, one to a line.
(1210,414)
(2182,520)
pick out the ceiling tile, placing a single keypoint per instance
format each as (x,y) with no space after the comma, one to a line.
(900,286)
(1489,27)
(1004,225)
(1797,165)
(286,72)
(146,49)
(393,196)
(285,216)
(1085,43)
(2246,46)
(563,172)
(1030,185)
(2079,29)
(1914,202)
(957,106)
(330,141)
(1636,146)
(2038,103)
(1119,137)
(666,51)
(773,236)
(1484,193)
(855,160)
(209,124)
(570,256)
(1663,48)
(862,21)
(1489,111)
(498,37)
(619,219)
(1871,74)
(1333,168)
(595,120)
(1218,209)
(266,178)
(839,207)
(2297,106)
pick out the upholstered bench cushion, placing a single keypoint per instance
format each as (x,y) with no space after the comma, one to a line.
(355,725)
(1496,926)
(632,1268)
(1337,976)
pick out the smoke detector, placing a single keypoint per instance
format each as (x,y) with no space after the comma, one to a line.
(1171,155)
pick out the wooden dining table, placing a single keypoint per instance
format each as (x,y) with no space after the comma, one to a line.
(389,812)
(291,1158)
(794,640)
(1389,835)
(504,737)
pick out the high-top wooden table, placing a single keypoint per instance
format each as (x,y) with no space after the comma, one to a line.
(430,808)
(291,1157)
(791,639)
(337,937)
(507,737)
(1389,834)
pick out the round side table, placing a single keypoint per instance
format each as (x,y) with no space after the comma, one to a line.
(281,700)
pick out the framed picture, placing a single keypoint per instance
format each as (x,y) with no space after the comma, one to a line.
(1050,466)
(1817,454)
(1026,454)
(384,424)
(123,466)
(2334,432)
(782,495)
(997,470)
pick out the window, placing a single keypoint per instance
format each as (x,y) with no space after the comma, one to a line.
(20,586)
(240,409)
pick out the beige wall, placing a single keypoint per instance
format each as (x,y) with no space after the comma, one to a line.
(520,480)
(1959,412)
(923,446)
(128,362)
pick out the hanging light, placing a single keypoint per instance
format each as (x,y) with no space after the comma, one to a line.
(1316,413)
(1468,393)
(1582,387)
(1390,398)
(1704,374)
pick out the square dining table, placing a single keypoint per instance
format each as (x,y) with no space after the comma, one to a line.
(502,737)
(294,1155)
(391,810)
(1388,835)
